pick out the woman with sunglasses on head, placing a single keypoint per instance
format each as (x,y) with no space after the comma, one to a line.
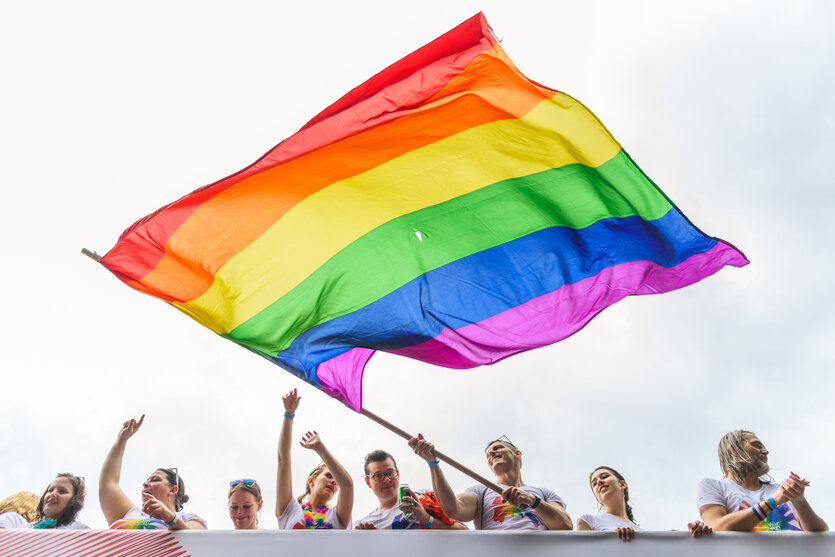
(321,484)
(612,494)
(163,493)
(57,508)
(244,504)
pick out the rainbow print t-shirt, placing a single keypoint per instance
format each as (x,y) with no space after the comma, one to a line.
(734,497)
(493,513)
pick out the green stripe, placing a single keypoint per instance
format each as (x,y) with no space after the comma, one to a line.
(391,255)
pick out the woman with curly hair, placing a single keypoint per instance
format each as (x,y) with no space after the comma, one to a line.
(58,507)
(321,485)
(163,493)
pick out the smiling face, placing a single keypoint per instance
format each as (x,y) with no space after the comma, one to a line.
(386,488)
(607,487)
(243,510)
(502,457)
(56,498)
(157,486)
(323,486)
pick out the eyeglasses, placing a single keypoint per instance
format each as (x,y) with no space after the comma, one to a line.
(246,482)
(380,476)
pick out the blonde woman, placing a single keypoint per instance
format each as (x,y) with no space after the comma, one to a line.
(244,503)
(310,510)
(746,498)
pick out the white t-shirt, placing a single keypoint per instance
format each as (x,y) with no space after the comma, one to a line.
(134,512)
(606,521)
(13,520)
(292,518)
(734,497)
(389,519)
(492,513)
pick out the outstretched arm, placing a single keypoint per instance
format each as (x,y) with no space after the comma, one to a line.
(284,477)
(114,503)
(460,507)
(345,503)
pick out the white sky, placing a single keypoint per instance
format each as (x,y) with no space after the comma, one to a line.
(110,110)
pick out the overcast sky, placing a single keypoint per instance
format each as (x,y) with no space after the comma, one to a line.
(110,110)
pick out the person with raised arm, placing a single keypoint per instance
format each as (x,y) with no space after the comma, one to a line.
(382,476)
(517,507)
(163,493)
(321,484)
(746,498)
(612,494)
(57,508)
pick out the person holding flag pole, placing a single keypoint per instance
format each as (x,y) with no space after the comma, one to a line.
(516,507)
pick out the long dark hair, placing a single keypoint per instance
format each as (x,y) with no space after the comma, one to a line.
(174,478)
(625,492)
(73,507)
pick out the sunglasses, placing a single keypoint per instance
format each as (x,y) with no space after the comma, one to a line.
(502,439)
(247,482)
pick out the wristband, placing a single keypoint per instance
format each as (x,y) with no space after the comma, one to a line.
(428,524)
(772,503)
(435,463)
(536,502)
(173,522)
(757,512)
(289,416)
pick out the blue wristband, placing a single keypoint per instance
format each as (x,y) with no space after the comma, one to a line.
(173,522)
(289,416)
(433,463)
(772,503)
(428,524)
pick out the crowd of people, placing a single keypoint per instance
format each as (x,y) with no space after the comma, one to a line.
(745,499)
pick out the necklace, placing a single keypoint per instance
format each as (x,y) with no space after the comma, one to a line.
(315,518)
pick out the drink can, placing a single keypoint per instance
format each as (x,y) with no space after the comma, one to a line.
(403,505)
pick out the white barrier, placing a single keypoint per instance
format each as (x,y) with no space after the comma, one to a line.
(216,543)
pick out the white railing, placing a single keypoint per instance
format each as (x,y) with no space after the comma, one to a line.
(415,543)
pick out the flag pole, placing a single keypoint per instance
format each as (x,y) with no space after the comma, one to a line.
(91,254)
(441,456)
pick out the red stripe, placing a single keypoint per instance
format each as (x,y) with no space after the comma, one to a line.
(453,50)
(89,543)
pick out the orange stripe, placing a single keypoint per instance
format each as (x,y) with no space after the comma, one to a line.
(488,90)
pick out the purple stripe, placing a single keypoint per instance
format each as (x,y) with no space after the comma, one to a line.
(341,377)
(554,316)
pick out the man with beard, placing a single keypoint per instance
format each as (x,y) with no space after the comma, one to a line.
(747,499)
(517,507)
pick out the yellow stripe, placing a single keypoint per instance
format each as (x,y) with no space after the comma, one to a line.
(556,132)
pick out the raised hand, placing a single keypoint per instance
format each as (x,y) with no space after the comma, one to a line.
(423,448)
(311,441)
(291,402)
(129,428)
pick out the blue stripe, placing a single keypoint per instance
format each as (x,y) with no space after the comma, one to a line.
(492,281)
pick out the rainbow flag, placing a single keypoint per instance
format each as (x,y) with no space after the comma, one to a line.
(448,209)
